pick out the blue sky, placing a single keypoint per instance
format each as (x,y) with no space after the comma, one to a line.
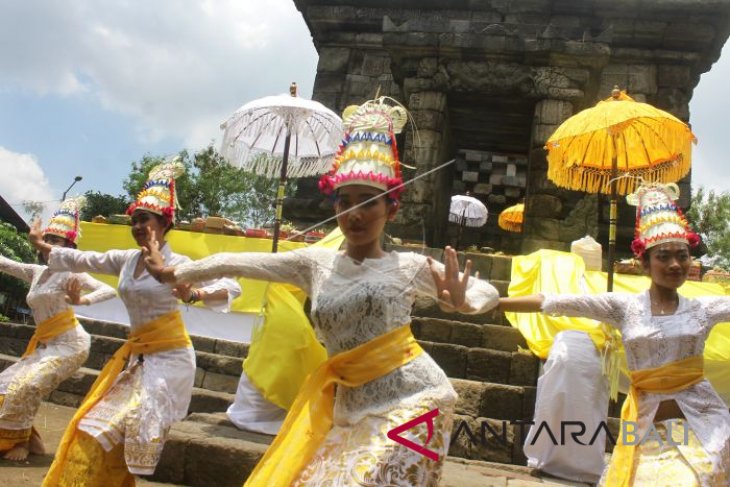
(88,86)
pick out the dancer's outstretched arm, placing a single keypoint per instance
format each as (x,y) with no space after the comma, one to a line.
(522,304)
(294,267)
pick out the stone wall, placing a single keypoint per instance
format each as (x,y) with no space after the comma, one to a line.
(499,76)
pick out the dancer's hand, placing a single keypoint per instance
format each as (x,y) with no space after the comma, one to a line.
(35,235)
(153,260)
(183,292)
(73,293)
(451,288)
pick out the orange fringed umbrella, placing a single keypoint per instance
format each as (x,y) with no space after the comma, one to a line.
(618,135)
(511,218)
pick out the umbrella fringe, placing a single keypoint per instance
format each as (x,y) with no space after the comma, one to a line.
(593,180)
(510,226)
(264,164)
(511,218)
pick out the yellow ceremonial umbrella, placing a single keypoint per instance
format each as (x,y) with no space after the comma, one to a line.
(619,134)
(511,218)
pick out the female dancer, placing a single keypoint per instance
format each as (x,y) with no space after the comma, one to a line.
(59,345)
(361,305)
(122,425)
(664,337)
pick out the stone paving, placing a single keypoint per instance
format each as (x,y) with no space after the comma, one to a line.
(51,421)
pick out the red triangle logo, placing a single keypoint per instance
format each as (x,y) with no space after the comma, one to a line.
(427,418)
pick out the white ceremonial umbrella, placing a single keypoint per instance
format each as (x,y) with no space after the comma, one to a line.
(282,135)
(468,211)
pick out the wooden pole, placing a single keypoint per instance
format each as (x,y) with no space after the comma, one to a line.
(615,93)
(282,181)
(280,194)
(612,218)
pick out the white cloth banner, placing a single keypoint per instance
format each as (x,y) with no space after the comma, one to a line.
(199,321)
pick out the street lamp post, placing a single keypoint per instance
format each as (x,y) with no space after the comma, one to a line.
(76,180)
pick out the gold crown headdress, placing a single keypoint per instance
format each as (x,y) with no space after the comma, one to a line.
(158,195)
(65,221)
(658,218)
(368,153)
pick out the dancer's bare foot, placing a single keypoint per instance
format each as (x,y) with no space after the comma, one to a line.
(35,444)
(18,453)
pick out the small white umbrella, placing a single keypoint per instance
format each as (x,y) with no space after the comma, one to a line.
(468,211)
(282,135)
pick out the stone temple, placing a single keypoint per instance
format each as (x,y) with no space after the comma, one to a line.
(488,81)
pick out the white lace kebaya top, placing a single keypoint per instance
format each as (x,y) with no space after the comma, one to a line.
(144,297)
(353,303)
(652,341)
(145,300)
(47,294)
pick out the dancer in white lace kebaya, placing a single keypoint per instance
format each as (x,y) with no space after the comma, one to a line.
(361,304)
(664,337)
(120,429)
(59,345)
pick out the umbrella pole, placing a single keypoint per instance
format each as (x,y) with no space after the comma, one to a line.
(280,193)
(612,219)
(462,221)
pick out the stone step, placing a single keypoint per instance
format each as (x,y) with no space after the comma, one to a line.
(506,406)
(202,344)
(459,332)
(215,371)
(481,364)
(206,449)
(490,266)
(476,399)
(425,307)
(221,373)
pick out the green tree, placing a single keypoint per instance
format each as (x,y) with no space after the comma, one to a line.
(211,187)
(709,216)
(34,208)
(14,246)
(103,204)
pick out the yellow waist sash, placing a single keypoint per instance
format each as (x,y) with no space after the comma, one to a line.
(51,328)
(164,333)
(667,379)
(310,417)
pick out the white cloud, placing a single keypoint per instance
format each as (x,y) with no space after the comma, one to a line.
(178,68)
(708,114)
(24,180)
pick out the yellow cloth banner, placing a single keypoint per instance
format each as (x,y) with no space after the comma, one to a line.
(51,328)
(164,333)
(310,417)
(550,271)
(667,379)
(284,349)
(101,237)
